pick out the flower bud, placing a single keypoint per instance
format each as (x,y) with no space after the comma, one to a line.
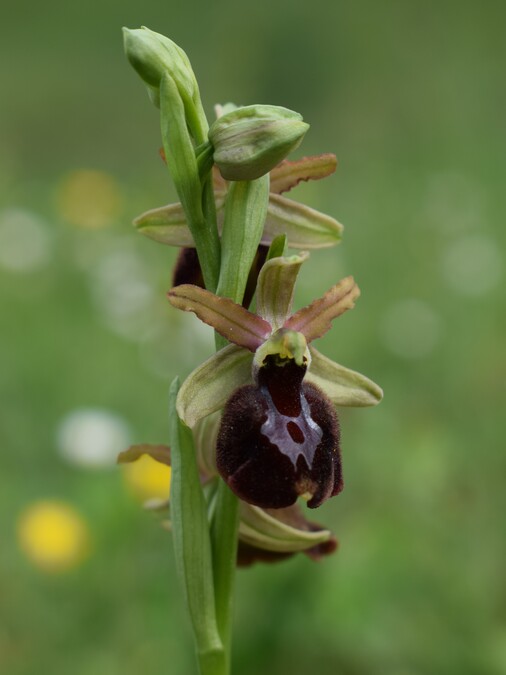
(250,141)
(152,54)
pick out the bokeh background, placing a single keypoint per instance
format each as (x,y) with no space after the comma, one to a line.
(411,97)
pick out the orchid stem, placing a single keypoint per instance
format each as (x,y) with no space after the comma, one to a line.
(224,546)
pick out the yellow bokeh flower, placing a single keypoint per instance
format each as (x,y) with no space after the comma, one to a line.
(89,198)
(53,535)
(148,479)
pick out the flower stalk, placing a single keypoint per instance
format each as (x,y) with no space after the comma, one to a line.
(254,429)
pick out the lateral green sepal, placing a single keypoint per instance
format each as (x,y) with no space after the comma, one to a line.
(305,227)
(210,385)
(280,530)
(343,386)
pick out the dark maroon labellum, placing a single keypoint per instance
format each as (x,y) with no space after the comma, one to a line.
(280,440)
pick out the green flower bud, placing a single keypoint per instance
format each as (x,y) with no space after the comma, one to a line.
(248,142)
(152,55)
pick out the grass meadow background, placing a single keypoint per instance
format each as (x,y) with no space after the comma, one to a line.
(411,97)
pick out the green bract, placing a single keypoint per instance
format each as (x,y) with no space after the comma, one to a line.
(250,141)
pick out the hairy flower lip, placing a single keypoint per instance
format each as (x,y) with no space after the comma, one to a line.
(279,440)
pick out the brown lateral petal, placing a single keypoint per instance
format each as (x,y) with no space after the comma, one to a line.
(287,174)
(314,320)
(231,320)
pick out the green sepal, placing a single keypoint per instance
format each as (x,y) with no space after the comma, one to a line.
(343,386)
(210,385)
(168,224)
(276,286)
(192,544)
(278,530)
(243,224)
(315,319)
(305,227)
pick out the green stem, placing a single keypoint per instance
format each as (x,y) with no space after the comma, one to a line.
(224,530)
(245,212)
(211,255)
(212,663)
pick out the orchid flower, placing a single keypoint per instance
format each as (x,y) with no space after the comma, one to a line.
(279,434)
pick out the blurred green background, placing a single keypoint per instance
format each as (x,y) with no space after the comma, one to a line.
(411,98)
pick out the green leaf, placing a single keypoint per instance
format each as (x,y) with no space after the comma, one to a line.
(314,320)
(210,385)
(288,174)
(245,211)
(343,386)
(192,544)
(276,286)
(229,319)
(160,453)
(280,530)
(305,227)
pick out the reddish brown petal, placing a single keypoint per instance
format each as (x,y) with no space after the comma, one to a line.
(231,320)
(314,320)
(287,175)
